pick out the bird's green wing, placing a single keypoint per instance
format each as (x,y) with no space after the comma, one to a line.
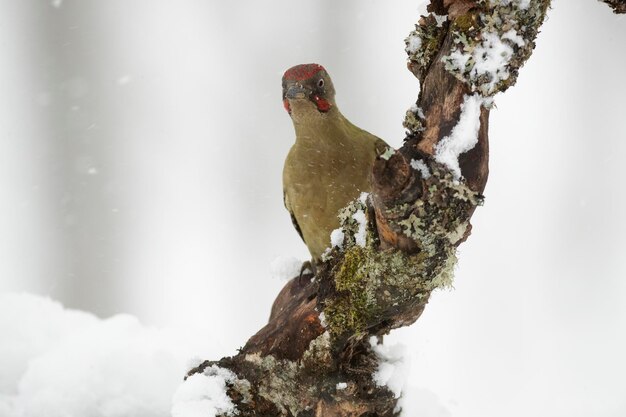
(293,218)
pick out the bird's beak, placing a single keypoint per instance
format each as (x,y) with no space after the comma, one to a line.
(296,92)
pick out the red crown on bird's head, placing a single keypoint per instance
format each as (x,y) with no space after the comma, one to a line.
(302,72)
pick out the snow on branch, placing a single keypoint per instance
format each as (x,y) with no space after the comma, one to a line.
(204,394)
(482,44)
(464,135)
(493,43)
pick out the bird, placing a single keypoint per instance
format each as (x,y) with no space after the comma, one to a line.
(331,161)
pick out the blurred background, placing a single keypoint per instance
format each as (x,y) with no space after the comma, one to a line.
(141,151)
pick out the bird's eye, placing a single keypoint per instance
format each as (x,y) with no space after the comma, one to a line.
(320,83)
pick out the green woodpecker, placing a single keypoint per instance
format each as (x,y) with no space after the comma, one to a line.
(331,161)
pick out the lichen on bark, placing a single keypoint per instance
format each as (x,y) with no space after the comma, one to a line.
(369,284)
(505,28)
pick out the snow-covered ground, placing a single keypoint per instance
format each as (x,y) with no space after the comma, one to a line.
(57,362)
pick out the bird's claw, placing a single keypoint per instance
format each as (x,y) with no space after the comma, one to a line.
(307,271)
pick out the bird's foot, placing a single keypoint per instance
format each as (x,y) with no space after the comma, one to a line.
(307,272)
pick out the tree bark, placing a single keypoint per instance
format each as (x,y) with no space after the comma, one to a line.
(317,354)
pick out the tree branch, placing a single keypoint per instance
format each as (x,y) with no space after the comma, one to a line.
(317,356)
